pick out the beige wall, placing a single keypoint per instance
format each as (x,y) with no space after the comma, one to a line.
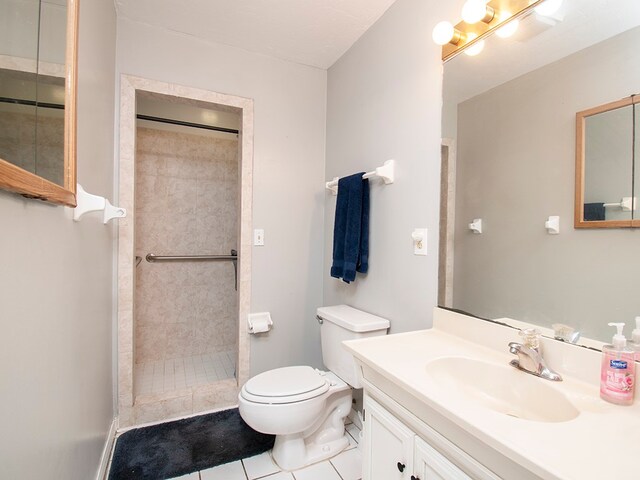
(186,204)
(525,173)
(288,172)
(384,102)
(55,296)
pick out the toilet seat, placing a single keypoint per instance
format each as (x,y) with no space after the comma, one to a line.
(285,385)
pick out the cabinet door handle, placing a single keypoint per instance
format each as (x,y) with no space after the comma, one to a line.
(401,467)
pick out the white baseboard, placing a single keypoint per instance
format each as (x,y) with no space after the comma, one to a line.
(103,469)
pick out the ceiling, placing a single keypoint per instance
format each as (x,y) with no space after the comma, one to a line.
(311,32)
(538,42)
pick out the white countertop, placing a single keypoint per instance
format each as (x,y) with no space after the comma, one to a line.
(603,441)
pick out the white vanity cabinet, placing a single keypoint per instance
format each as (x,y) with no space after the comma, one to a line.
(392,451)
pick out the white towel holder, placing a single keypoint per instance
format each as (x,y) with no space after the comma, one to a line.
(386,172)
(553,225)
(87,202)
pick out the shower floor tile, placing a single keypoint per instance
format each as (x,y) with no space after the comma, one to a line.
(176,373)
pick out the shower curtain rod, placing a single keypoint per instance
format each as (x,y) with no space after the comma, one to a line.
(57,106)
(31,103)
(186,124)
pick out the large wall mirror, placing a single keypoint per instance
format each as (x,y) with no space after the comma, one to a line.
(509,156)
(38,43)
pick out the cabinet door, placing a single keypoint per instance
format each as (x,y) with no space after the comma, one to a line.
(429,464)
(388,445)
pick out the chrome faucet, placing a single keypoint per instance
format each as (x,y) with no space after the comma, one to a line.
(529,356)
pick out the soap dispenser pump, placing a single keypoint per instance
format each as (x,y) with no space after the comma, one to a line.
(618,370)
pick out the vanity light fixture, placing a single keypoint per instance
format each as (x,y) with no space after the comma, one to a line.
(509,28)
(482,18)
(444,33)
(475,48)
(475,11)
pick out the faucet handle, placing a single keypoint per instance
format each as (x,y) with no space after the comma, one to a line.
(530,338)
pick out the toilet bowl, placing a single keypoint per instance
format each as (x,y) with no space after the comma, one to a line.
(304,407)
(308,421)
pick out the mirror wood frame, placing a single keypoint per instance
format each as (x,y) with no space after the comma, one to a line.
(579,221)
(30,185)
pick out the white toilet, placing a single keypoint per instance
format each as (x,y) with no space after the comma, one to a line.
(303,407)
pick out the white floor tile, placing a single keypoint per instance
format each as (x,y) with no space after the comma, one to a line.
(354,432)
(260,466)
(175,373)
(352,442)
(319,471)
(349,464)
(228,471)
(279,476)
(190,476)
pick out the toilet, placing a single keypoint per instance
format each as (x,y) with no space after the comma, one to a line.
(304,407)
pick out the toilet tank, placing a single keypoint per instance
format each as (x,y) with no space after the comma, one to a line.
(341,323)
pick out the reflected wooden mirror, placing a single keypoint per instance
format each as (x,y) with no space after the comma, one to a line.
(38,72)
(605,164)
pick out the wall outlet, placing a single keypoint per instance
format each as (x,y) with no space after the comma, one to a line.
(258,237)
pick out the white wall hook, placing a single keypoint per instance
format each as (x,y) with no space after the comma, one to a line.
(111,212)
(476,225)
(553,225)
(86,202)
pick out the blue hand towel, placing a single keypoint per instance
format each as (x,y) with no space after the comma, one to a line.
(594,212)
(351,228)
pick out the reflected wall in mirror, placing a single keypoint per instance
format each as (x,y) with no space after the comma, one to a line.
(37,98)
(511,114)
(605,164)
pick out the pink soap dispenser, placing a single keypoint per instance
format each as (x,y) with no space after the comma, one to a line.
(618,370)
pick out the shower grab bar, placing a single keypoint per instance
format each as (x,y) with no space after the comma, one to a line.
(190,258)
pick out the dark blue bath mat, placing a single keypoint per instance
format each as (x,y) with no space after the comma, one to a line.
(184,446)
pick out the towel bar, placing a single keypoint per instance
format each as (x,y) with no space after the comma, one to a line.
(385,172)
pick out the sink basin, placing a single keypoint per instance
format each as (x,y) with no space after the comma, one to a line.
(501,388)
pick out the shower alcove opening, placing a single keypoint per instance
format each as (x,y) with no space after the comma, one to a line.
(184,251)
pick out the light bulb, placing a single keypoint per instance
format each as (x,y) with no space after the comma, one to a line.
(475,49)
(443,33)
(548,7)
(510,28)
(474,11)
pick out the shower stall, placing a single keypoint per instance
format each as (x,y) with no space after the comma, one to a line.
(186,244)
(187,260)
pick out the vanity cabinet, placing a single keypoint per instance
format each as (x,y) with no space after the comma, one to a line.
(392,451)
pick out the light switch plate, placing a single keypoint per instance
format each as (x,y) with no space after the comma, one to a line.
(258,237)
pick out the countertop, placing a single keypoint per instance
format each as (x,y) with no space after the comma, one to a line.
(603,441)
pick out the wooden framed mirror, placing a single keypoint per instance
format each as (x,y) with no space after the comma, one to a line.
(38,85)
(606,183)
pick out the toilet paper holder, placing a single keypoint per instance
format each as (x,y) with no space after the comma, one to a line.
(259,322)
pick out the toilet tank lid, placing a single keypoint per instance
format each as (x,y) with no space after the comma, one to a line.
(352,319)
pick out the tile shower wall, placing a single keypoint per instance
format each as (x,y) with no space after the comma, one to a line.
(186,204)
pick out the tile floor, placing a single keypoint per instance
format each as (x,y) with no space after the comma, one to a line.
(177,373)
(345,466)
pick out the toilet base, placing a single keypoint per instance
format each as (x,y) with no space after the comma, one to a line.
(324,440)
